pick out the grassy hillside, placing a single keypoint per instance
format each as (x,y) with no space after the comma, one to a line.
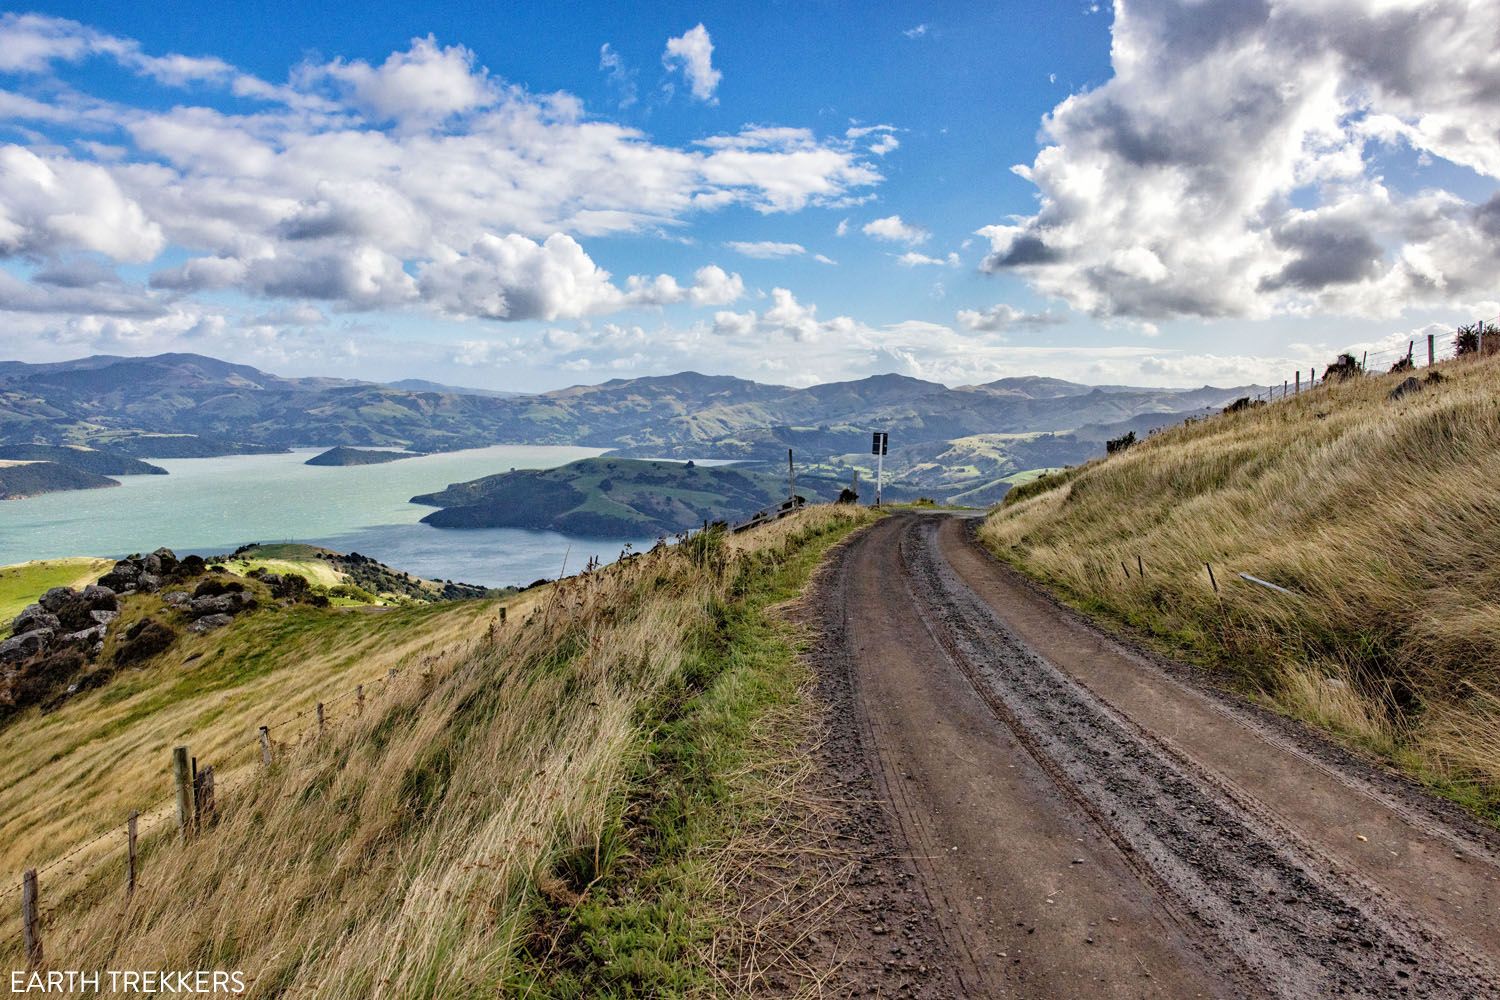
(103,463)
(28,479)
(1381,516)
(613,497)
(80,769)
(553,810)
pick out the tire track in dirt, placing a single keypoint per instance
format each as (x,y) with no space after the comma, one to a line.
(1064,848)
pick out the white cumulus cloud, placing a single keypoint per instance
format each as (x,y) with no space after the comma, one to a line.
(893,229)
(1234,165)
(693,52)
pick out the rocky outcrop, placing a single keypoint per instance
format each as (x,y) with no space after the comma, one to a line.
(51,641)
(142,573)
(61,617)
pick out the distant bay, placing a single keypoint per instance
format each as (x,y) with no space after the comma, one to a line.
(215,504)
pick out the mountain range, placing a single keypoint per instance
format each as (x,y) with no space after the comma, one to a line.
(175,405)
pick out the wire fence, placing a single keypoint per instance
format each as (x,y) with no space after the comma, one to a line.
(1419,352)
(79,866)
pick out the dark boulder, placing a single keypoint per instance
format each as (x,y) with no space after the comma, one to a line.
(1408,387)
(56,598)
(34,617)
(220,604)
(209,622)
(86,638)
(100,598)
(25,646)
(189,567)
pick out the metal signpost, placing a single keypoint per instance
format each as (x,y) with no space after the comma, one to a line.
(879,444)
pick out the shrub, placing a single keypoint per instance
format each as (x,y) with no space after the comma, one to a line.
(1120,443)
(1466,340)
(1344,367)
(143,640)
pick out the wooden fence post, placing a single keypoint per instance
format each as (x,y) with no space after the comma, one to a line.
(1140,567)
(31,930)
(320,720)
(130,829)
(1210,568)
(1431,352)
(359,698)
(184,801)
(265,745)
(203,795)
(1298,390)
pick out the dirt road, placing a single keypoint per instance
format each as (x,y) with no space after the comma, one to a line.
(1078,819)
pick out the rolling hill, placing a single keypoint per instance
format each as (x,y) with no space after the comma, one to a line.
(614,497)
(1376,514)
(28,479)
(586,767)
(181,404)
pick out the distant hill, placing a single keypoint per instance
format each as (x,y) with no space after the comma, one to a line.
(133,405)
(423,385)
(29,479)
(613,497)
(357,456)
(188,405)
(103,463)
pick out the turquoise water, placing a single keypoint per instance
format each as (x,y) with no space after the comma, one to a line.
(215,504)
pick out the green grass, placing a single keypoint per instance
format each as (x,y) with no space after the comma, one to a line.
(1028,476)
(653,899)
(23,583)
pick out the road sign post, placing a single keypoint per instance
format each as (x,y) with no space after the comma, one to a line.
(879,444)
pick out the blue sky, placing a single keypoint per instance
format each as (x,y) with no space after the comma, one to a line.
(1160,192)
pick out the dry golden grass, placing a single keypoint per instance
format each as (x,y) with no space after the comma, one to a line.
(404,854)
(78,771)
(1383,516)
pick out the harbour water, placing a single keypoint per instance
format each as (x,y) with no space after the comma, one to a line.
(215,504)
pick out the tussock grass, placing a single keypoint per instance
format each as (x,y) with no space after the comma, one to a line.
(69,774)
(1384,517)
(428,847)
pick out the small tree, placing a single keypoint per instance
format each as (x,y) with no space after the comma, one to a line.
(1466,341)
